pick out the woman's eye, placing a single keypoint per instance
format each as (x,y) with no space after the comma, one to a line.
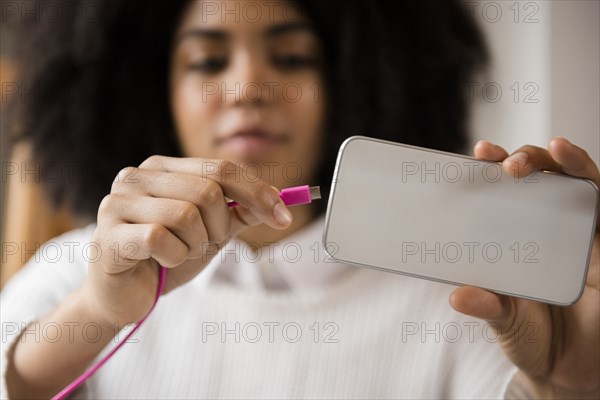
(292,62)
(209,65)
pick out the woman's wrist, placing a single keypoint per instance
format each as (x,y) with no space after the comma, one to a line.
(90,309)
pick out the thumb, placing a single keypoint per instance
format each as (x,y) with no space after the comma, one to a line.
(241,219)
(528,330)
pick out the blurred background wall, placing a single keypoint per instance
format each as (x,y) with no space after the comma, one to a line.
(26,219)
(545,75)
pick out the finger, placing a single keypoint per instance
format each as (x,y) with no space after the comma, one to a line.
(135,242)
(497,309)
(477,302)
(573,160)
(528,159)
(576,162)
(238,183)
(206,194)
(182,218)
(485,150)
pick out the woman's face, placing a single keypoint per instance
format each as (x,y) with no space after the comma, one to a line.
(246,87)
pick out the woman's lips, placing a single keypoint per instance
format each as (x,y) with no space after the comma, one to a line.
(250,143)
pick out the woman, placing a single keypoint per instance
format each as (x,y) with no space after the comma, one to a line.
(235,93)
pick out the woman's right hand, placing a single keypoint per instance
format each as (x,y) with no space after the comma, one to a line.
(172,212)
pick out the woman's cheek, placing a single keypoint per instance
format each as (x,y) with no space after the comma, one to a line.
(310,112)
(194,110)
(307,117)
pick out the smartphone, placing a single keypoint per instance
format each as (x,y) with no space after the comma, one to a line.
(455,219)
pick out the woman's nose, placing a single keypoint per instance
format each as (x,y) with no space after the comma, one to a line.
(245,83)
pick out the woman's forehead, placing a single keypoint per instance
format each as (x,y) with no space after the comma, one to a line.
(245,16)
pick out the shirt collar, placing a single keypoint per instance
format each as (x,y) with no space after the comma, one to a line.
(297,262)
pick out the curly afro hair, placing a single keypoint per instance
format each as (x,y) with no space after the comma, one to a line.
(394,70)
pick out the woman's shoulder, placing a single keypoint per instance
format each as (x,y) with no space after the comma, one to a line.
(59,265)
(72,249)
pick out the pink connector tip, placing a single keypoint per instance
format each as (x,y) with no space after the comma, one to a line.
(294,195)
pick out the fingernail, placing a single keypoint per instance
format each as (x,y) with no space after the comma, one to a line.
(520,158)
(282,214)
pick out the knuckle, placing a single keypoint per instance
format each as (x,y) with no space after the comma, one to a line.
(195,192)
(106,205)
(152,162)
(154,235)
(211,194)
(223,165)
(187,215)
(125,175)
(226,170)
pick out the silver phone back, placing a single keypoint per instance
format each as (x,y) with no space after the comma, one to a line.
(454,219)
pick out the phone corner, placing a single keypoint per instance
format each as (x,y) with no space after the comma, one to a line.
(572,300)
(350,139)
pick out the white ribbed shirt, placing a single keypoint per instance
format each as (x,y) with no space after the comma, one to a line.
(282,322)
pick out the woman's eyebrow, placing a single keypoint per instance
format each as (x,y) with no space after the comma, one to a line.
(213,34)
(281,29)
(220,35)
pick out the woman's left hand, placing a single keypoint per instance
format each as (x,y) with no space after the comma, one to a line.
(564,360)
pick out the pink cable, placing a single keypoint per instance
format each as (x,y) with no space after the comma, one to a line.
(87,374)
(293,196)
